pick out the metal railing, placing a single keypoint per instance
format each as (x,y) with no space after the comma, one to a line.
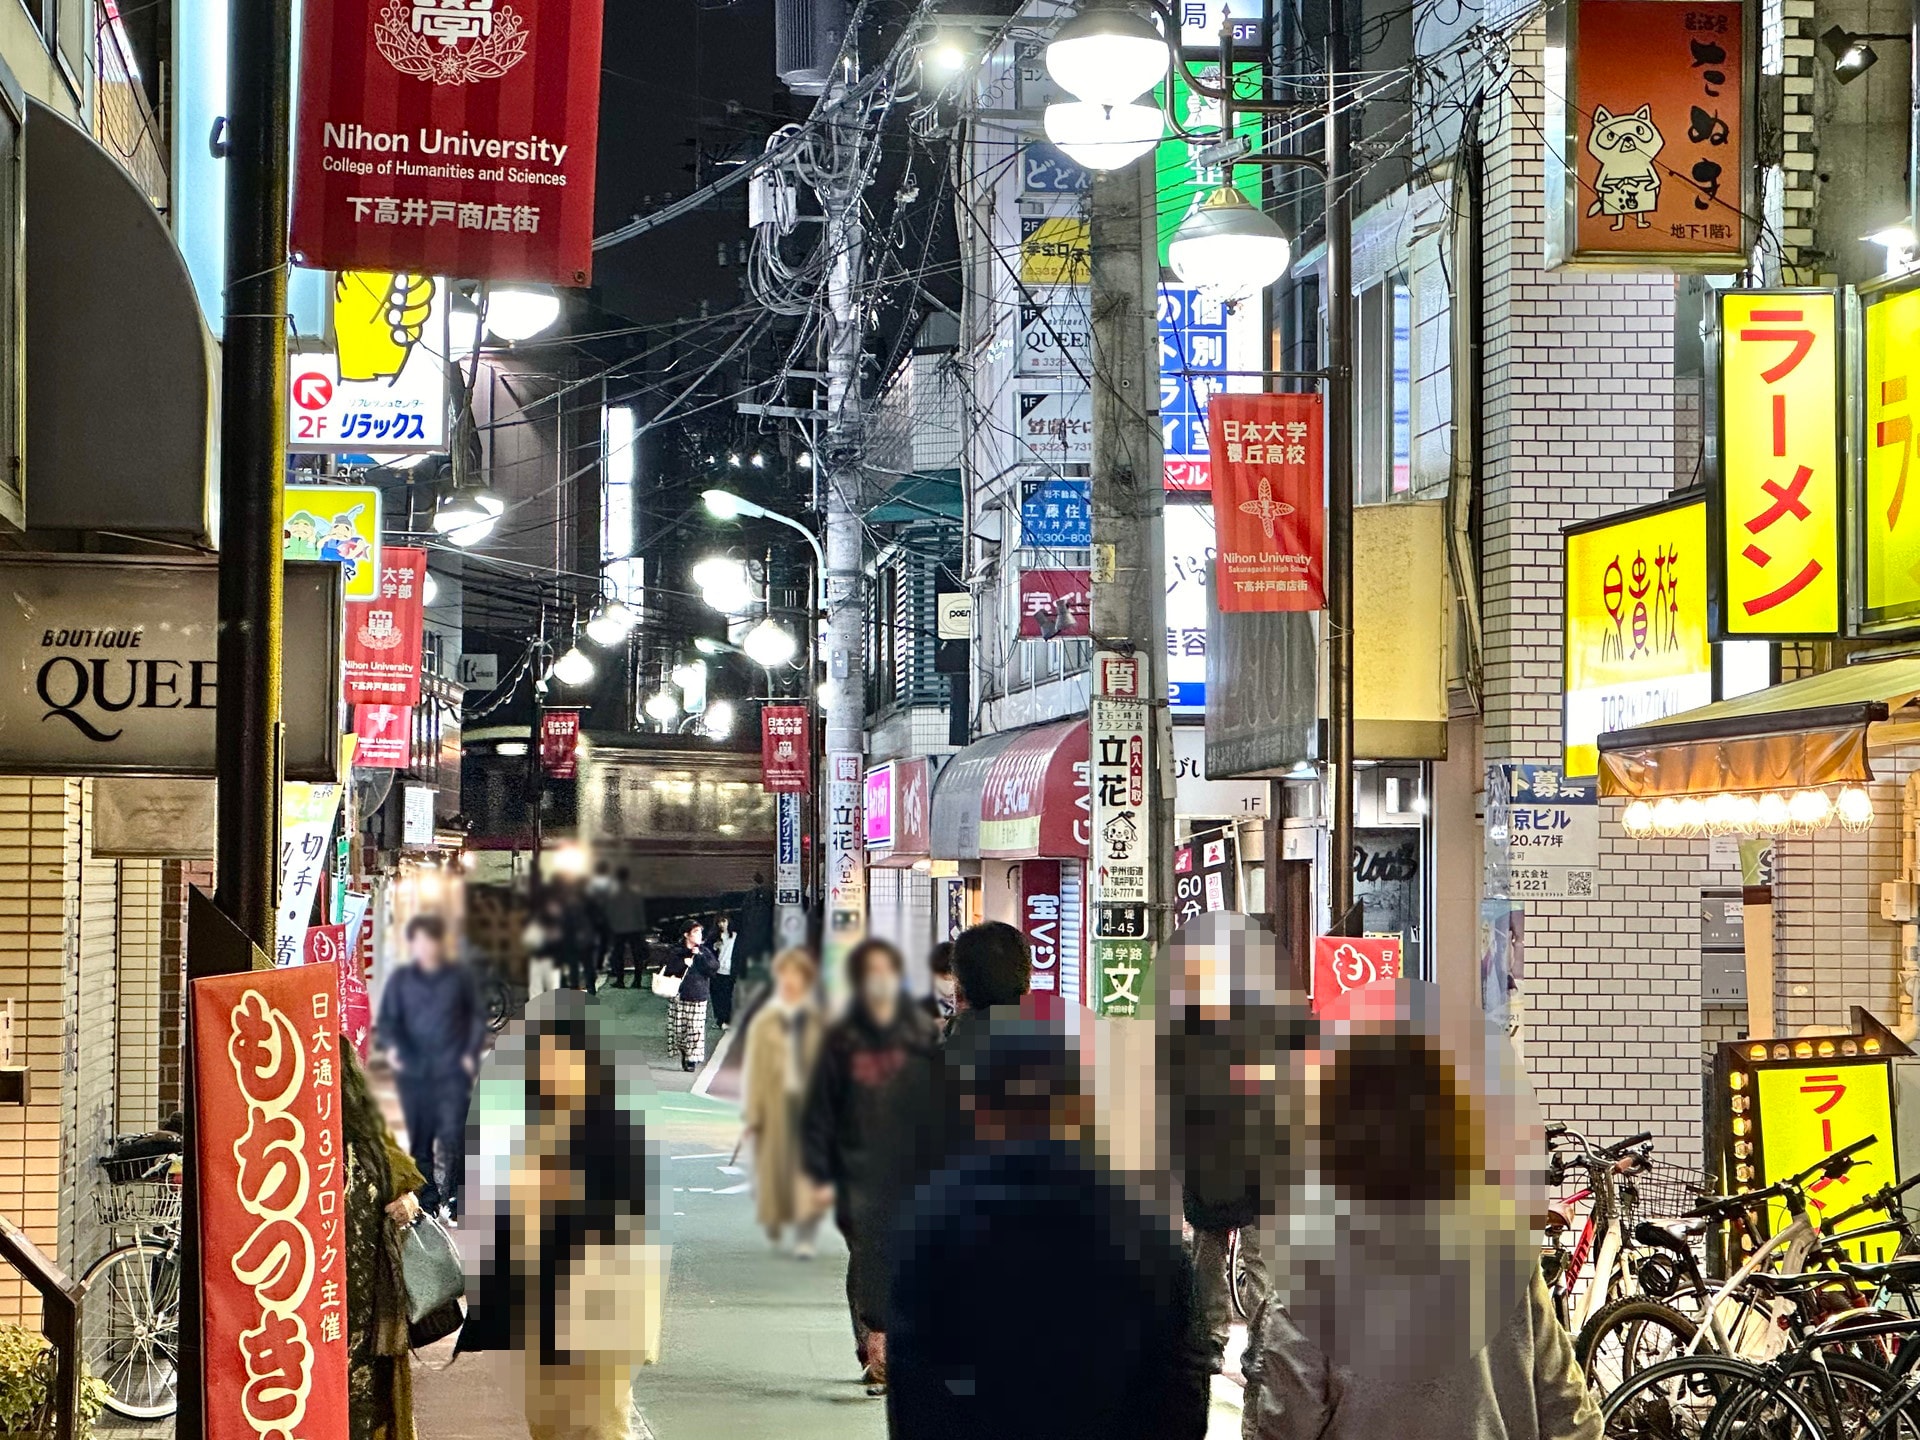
(59,1322)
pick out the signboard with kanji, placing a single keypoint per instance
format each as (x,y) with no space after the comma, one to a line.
(1889,518)
(786,749)
(1650,135)
(1055,250)
(1269,502)
(1056,335)
(1120,759)
(1178,181)
(1040,919)
(1343,967)
(1206,346)
(1552,834)
(1204,875)
(1055,426)
(1056,514)
(382,646)
(1054,604)
(1122,977)
(1635,612)
(1775,496)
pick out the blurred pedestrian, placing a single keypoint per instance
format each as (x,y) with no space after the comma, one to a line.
(693,965)
(872,1132)
(1411,1302)
(627,919)
(1031,1211)
(725,953)
(943,1003)
(579,938)
(576,1203)
(993,965)
(783,1045)
(433,1025)
(756,926)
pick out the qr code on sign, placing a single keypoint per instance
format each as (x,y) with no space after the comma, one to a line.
(1580,884)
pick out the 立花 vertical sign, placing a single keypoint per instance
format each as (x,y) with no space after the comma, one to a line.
(1650,134)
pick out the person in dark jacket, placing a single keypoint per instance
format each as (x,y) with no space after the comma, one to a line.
(755,924)
(994,967)
(872,1132)
(1030,1210)
(943,1003)
(694,965)
(433,1025)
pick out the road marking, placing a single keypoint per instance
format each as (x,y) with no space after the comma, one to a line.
(707,1155)
(709,1190)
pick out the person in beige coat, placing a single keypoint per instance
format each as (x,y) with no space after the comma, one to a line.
(783,1042)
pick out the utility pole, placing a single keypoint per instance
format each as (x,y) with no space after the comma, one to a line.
(1339,393)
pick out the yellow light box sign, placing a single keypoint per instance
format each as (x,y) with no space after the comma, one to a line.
(1807,1112)
(1890,488)
(1776,494)
(340,524)
(1056,250)
(1635,643)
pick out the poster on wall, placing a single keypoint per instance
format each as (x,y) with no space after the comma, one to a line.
(1650,135)
(1269,503)
(267,1130)
(1550,826)
(444,137)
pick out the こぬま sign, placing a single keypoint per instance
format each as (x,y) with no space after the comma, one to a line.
(382,642)
(1269,506)
(273,1222)
(1652,135)
(448,137)
(1776,494)
(786,749)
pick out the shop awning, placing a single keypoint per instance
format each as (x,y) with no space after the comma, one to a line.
(1805,733)
(1018,795)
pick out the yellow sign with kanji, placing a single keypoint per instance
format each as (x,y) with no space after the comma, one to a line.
(1636,646)
(1778,508)
(1890,498)
(1056,250)
(1806,1112)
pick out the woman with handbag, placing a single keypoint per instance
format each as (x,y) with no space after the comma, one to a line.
(693,966)
(568,1280)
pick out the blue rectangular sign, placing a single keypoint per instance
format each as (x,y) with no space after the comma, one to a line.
(1056,514)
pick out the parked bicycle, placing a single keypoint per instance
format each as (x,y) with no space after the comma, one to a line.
(130,1316)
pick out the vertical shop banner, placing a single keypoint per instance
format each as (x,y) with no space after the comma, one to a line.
(1552,827)
(1775,497)
(1343,966)
(788,885)
(1204,876)
(1650,132)
(448,137)
(273,1223)
(1889,508)
(846,875)
(1122,830)
(383,736)
(307,813)
(339,524)
(560,744)
(1055,604)
(1635,608)
(1040,919)
(786,749)
(1269,502)
(329,945)
(383,633)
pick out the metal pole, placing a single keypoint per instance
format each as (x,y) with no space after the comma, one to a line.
(1340,479)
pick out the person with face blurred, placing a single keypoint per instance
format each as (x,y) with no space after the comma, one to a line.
(872,1132)
(783,1044)
(694,965)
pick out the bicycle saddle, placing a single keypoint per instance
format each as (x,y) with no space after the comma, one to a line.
(1901,1272)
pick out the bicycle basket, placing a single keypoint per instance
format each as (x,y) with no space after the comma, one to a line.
(1662,1191)
(150,1204)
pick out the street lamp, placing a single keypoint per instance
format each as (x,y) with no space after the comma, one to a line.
(725,505)
(520,312)
(769,645)
(718,721)
(1227,246)
(661,706)
(723,584)
(574,668)
(611,624)
(1852,55)
(1103,137)
(1106,57)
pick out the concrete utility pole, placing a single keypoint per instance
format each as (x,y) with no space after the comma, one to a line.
(1340,770)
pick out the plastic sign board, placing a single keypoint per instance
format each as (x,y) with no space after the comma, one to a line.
(1056,335)
(1056,250)
(338,524)
(1889,509)
(1120,774)
(1343,967)
(383,634)
(1188,534)
(1055,604)
(1056,514)
(1775,495)
(877,808)
(381,387)
(1055,427)
(1269,500)
(1552,834)
(1636,647)
(448,137)
(1206,346)
(1649,134)
(273,1215)
(1040,919)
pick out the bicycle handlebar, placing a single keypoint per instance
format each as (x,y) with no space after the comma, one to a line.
(1881,1199)
(1790,1189)
(1840,1158)
(1620,1147)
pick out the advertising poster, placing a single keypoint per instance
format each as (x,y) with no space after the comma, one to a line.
(1269,502)
(560,744)
(786,749)
(1040,919)
(1503,962)
(1889,517)
(338,524)
(1776,497)
(786,850)
(1204,876)
(380,387)
(1552,829)
(382,644)
(272,1210)
(448,137)
(1055,604)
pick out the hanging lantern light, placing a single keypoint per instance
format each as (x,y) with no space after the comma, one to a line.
(1809,810)
(1666,817)
(1721,814)
(1637,820)
(1854,808)
(1693,815)
(1770,815)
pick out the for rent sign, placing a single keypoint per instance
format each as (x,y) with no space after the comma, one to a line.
(272,1209)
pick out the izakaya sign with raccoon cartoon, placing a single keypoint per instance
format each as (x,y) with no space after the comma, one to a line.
(1650,127)
(448,137)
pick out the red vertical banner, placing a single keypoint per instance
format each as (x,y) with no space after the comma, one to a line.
(383,736)
(448,137)
(382,642)
(272,1207)
(327,945)
(1269,502)
(786,749)
(560,743)
(1040,919)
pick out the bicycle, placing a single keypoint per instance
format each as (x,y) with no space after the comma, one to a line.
(130,1316)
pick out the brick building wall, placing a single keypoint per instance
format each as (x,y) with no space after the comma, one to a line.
(1579,422)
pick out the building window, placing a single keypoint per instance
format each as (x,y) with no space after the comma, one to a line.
(1383,392)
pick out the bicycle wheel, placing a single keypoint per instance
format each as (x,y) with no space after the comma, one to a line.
(130,1328)
(1627,1336)
(1706,1397)
(497,996)
(1844,1393)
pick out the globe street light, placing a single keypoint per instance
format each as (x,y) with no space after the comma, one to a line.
(769,645)
(718,721)
(1226,246)
(520,312)
(610,624)
(1107,55)
(1103,137)
(574,668)
(661,706)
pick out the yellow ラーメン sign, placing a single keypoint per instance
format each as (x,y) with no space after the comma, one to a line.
(1778,490)
(1890,503)
(1636,625)
(1806,1112)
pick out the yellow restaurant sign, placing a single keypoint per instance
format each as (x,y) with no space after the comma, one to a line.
(1806,1112)
(1890,501)
(1635,644)
(1777,496)
(1056,250)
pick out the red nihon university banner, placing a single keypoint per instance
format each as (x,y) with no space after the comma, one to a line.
(448,137)
(1269,502)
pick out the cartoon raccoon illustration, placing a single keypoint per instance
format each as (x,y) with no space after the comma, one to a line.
(1628,183)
